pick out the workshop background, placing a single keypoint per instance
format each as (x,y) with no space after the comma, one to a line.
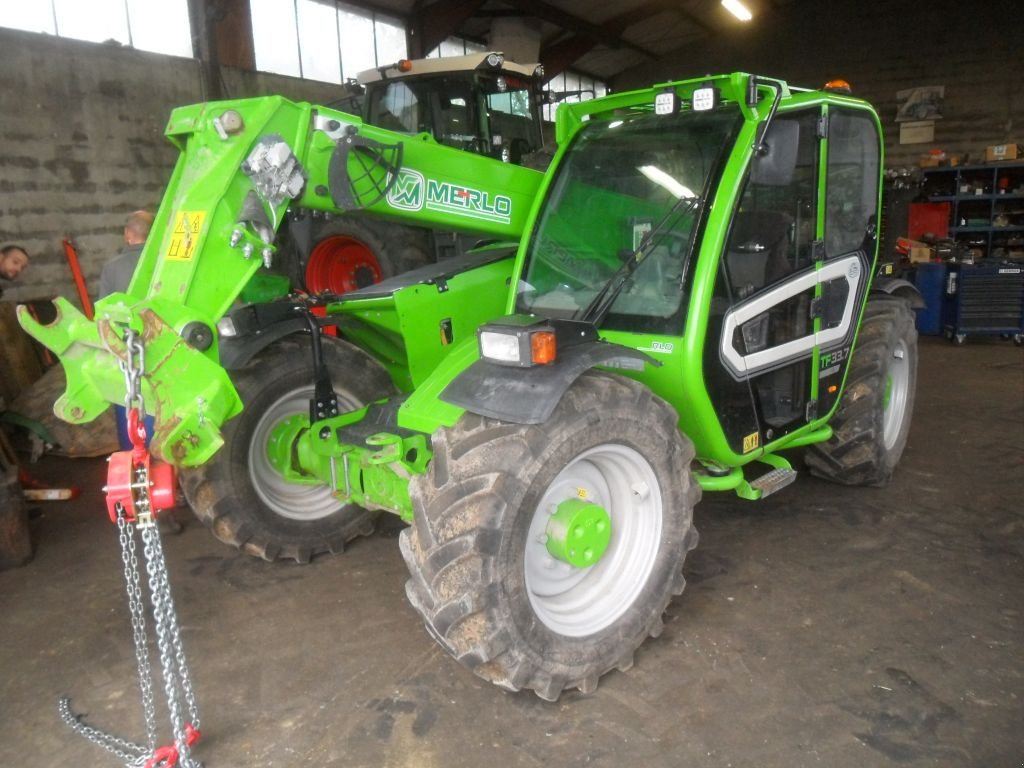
(827,626)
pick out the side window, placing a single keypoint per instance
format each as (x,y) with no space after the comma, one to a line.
(396,108)
(456,117)
(774,227)
(851,191)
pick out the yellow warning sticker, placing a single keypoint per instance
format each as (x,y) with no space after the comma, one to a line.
(185,236)
(751,441)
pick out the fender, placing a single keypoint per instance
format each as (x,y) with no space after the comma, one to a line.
(529,395)
(257,326)
(895,286)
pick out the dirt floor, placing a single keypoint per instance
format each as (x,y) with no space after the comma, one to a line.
(825,626)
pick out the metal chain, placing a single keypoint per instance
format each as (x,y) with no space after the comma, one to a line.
(173,628)
(134,755)
(138,614)
(132,367)
(166,629)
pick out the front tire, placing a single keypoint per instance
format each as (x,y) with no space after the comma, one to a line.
(871,426)
(241,498)
(482,578)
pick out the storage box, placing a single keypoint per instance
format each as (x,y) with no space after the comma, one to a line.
(919,254)
(996,153)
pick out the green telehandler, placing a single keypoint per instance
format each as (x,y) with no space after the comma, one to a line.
(692,294)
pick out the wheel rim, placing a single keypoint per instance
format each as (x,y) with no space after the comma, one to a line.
(894,398)
(286,498)
(581,601)
(339,264)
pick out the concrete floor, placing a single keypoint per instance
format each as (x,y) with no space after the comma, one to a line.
(824,626)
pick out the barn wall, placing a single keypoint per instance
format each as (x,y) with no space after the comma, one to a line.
(81,126)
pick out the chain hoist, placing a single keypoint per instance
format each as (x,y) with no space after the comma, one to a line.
(137,491)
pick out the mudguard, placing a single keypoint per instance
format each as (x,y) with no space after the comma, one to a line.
(529,395)
(895,286)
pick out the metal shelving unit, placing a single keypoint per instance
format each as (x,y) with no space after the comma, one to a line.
(986,206)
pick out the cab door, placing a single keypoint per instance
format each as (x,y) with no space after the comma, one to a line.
(793,274)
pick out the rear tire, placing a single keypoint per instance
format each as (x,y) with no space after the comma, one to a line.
(871,426)
(480,575)
(241,498)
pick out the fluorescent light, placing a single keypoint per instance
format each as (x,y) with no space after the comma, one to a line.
(665,181)
(738,9)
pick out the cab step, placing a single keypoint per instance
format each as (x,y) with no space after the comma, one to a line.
(773,481)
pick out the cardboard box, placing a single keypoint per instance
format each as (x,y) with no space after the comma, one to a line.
(919,254)
(997,153)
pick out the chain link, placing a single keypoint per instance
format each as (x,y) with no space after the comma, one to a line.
(132,367)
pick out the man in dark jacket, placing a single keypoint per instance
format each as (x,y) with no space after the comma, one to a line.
(117,273)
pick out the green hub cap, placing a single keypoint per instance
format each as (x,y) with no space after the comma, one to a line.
(578,533)
(280,446)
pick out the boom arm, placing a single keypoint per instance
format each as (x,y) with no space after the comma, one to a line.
(243,163)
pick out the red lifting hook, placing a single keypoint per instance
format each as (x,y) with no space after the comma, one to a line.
(167,757)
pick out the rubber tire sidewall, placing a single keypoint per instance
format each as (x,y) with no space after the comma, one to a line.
(521,652)
(860,419)
(221,492)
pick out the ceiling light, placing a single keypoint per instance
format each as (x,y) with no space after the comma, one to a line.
(738,9)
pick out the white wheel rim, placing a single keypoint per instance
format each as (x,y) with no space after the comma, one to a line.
(304,503)
(898,385)
(581,601)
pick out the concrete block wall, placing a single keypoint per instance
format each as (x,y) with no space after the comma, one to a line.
(881,47)
(82,145)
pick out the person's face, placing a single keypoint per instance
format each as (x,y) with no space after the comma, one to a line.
(13,264)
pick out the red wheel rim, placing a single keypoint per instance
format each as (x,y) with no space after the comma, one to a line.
(339,264)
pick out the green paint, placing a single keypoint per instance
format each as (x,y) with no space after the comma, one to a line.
(579,533)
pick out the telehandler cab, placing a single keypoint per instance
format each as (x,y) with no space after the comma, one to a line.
(692,295)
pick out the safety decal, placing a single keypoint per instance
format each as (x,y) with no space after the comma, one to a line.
(185,236)
(751,442)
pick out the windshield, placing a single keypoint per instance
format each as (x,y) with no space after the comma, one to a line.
(629,189)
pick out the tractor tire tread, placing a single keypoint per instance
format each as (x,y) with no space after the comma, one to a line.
(451,548)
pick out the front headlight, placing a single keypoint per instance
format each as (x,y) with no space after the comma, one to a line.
(501,347)
(520,344)
(226,327)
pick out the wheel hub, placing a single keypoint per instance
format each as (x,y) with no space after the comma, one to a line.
(339,264)
(579,533)
(281,442)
